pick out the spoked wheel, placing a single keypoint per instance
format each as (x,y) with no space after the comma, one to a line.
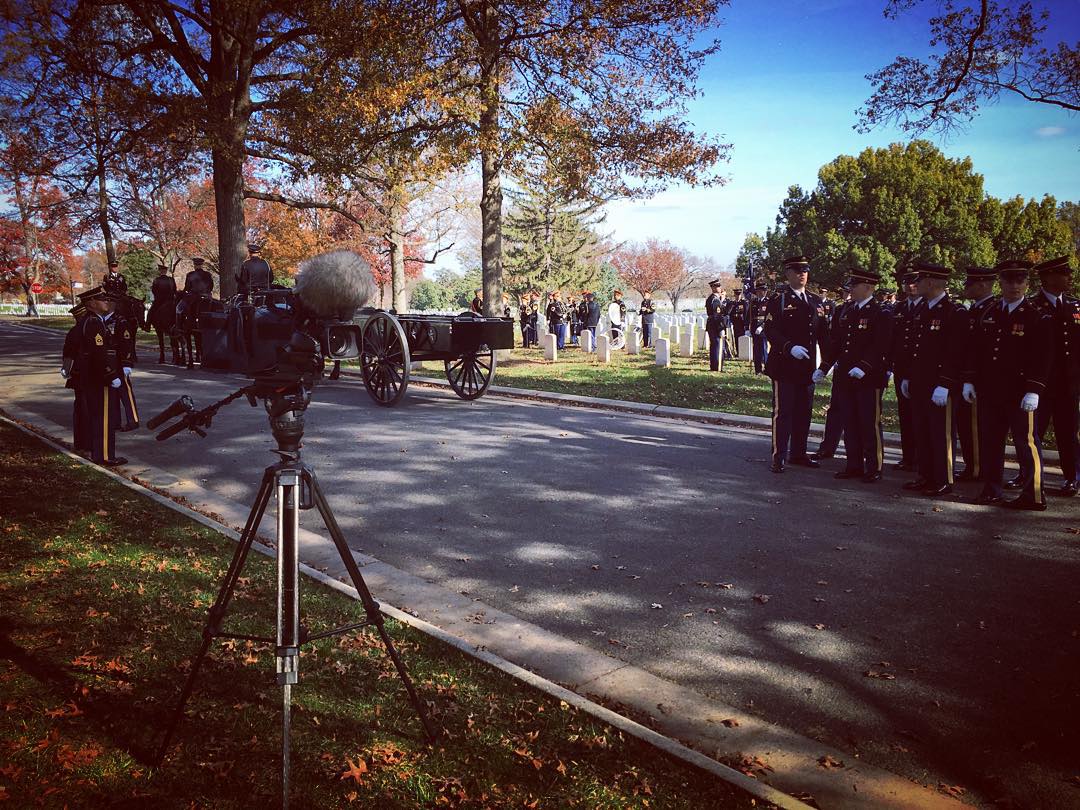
(384,359)
(470,375)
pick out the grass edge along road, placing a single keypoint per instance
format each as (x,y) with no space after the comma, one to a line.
(104,594)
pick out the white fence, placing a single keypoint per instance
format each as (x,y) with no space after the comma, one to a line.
(19,308)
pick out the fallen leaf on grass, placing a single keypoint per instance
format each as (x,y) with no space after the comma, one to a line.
(828,762)
(356,770)
(951,790)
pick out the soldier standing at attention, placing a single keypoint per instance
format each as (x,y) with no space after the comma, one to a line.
(255,273)
(1007,371)
(556,318)
(908,281)
(1060,403)
(795,328)
(714,323)
(858,345)
(523,321)
(122,333)
(593,319)
(979,289)
(929,371)
(114,282)
(477,304)
(70,371)
(737,313)
(99,377)
(647,311)
(757,327)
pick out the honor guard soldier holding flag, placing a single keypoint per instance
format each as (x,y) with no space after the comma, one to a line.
(737,314)
(758,306)
(1007,372)
(979,289)
(716,316)
(255,274)
(929,369)
(858,345)
(1061,400)
(795,329)
(100,376)
(908,282)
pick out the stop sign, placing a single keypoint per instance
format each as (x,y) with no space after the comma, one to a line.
(36,287)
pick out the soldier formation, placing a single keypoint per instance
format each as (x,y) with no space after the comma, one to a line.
(1003,367)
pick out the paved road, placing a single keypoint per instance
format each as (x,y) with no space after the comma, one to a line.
(581,521)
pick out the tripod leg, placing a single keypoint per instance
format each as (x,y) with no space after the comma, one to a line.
(288,606)
(217,610)
(370,605)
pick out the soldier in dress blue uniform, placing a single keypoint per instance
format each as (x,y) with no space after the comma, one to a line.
(737,314)
(714,323)
(70,371)
(979,289)
(647,311)
(122,331)
(1008,368)
(930,370)
(255,274)
(114,281)
(100,375)
(758,306)
(1061,400)
(556,317)
(523,321)
(857,351)
(908,282)
(836,415)
(795,328)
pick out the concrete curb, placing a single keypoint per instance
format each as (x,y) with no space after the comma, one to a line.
(666,744)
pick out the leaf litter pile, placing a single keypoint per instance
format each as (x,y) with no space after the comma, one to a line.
(103,596)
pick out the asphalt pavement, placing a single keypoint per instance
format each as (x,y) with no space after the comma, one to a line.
(933,638)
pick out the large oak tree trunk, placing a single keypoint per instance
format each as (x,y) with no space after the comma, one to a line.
(396,240)
(490,165)
(231,229)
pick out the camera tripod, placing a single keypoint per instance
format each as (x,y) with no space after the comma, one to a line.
(294,486)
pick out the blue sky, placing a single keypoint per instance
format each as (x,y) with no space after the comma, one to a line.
(783,91)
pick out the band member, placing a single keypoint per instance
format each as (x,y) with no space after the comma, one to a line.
(714,323)
(477,304)
(795,328)
(908,281)
(979,289)
(592,320)
(556,318)
(929,369)
(523,321)
(617,313)
(255,273)
(572,319)
(858,345)
(647,313)
(100,375)
(1061,400)
(1007,371)
(163,311)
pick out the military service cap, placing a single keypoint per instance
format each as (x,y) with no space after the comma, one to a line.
(716,283)
(1058,265)
(97,293)
(980,274)
(927,270)
(198,261)
(113,263)
(1013,268)
(253,248)
(799,264)
(859,276)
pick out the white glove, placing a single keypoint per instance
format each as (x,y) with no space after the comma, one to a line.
(127,371)
(856,373)
(1030,402)
(940,396)
(115,383)
(800,353)
(817,376)
(888,377)
(64,373)
(904,389)
(968,393)
(759,330)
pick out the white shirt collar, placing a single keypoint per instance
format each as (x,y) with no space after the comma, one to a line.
(915,300)
(1053,299)
(864,302)
(935,301)
(984,298)
(1013,305)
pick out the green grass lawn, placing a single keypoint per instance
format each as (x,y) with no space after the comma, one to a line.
(103,594)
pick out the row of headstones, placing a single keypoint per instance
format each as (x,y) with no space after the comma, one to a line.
(686,339)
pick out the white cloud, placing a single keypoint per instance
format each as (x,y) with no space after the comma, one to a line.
(1049,132)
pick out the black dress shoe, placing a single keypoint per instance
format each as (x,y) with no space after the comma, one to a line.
(917,484)
(777,467)
(871,478)
(114,462)
(804,461)
(936,492)
(844,474)
(1068,490)
(1025,503)
(986,498)
(820,456)
(1015,483)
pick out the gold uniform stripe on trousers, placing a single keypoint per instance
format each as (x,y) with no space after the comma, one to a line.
(877,428)
(1036,472)
(973,468)
(775,396)
(131,397)
(948,440)
(105,428)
